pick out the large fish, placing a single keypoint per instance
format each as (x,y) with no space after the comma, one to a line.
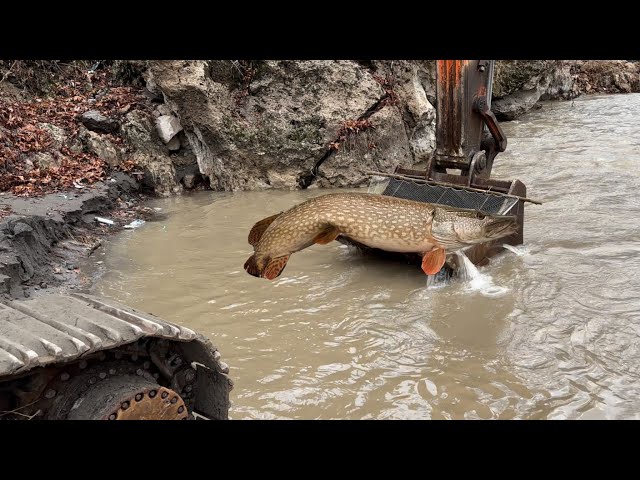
(378,221)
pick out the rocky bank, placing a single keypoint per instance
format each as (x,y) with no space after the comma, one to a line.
(239,125)
(520,84)
(305,124)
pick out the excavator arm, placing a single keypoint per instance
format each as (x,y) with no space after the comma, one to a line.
(468,136)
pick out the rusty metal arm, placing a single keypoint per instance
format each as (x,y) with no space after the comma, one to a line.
(481,106)
(468,135)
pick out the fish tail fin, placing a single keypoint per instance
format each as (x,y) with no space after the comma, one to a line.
(251,266)
(275,267)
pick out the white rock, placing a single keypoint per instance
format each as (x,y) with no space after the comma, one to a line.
(168,127)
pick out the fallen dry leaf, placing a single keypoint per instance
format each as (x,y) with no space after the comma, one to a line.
(21,135)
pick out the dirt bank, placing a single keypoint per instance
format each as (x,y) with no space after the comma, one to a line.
(43,240)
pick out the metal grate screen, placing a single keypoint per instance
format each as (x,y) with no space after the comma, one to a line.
(442,195)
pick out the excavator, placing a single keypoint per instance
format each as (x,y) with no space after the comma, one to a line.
(83,357)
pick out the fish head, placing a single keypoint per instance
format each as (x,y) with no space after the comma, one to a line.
(457,228)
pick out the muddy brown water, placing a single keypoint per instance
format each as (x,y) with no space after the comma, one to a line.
(551,333)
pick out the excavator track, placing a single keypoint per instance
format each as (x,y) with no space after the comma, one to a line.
(81,356)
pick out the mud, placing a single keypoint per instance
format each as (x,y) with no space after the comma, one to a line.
(43,240)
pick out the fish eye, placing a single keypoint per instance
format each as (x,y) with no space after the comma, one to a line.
(480,216)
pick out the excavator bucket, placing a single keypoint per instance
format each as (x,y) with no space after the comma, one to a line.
(468,138)
(499,197)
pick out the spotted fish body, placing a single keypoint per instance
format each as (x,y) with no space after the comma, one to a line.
(378,221)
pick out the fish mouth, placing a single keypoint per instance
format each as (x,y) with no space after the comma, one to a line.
(501,227)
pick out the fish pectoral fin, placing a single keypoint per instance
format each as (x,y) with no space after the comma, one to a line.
(433,261)
(259,228)
(275,267)
(328,235)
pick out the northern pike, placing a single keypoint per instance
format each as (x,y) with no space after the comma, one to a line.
(378,221)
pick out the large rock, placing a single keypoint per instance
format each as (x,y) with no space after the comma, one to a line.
(413,84)
(168,127)
(515,105)
(57,134)
(270,126)
(52,158)
(97,122)
(100,146)
(163,171)
(380,148)
(519,85)
(43,160)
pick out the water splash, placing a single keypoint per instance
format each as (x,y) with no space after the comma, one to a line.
(519,251)
(440,279)
(477,281)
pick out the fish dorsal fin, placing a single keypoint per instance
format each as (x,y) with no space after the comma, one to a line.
(433,260)
(275,267)
(326,236)
(259,228)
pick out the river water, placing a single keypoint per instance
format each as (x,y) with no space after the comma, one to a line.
(551,331)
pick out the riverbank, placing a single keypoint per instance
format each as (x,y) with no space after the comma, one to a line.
(247,125)
(43,240)
(76,141)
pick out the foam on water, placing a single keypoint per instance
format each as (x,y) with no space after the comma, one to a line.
(519,251)
(477,281)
